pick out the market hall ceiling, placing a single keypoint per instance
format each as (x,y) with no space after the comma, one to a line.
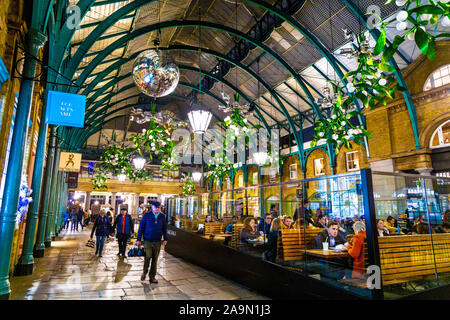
(229,62)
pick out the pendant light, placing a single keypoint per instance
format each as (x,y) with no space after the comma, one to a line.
(196,176)
(139,163)
(198,118)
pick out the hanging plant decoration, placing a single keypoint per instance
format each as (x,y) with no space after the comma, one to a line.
(24,200)
(154,141)
(99,181)
(188,186)
(372,81)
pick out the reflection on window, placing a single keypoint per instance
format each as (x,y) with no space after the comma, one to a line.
(241,181)
(319,168)
(441,136)
(293,171)
(438,78)
(255,178)
(272,175)
(352,161)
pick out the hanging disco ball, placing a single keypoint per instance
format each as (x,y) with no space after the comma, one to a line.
(154,74)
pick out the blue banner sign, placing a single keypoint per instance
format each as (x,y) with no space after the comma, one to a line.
(65,109)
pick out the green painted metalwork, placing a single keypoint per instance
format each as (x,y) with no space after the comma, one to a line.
(401,80)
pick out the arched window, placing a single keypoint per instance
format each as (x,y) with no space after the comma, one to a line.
(438,78)
(441,136)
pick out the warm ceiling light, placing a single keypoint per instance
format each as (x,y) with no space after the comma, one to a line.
(199,120)
(196,176)
(139,163)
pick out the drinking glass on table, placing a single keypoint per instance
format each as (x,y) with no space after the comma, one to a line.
(325,246)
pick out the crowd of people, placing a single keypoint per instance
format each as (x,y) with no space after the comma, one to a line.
(347,234)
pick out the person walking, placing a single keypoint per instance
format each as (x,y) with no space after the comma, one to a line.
(66,217)
(152,227)
(74,218)
(80,216)
(86,218)
(101,228)
(123,224)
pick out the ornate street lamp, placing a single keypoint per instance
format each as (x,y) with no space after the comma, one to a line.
(199,120)
(196,176)
(139,163)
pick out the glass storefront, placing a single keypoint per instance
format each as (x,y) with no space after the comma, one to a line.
(411,250)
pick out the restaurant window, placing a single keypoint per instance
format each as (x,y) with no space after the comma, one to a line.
(319,168)
(272,176)
(228,184)
(293,171)
(241,181)
(351,158)
(255,178)
(438,78)
(441,136)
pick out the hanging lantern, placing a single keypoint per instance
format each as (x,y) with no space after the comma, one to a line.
(121,177)
(260,158)
(139,163)
(154,74)
(196,176)
(199,120)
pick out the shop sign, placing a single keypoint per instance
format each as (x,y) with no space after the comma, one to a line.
(65,109)
(70,161)
(72,180)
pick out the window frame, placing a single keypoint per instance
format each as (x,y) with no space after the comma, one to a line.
(431,79)
(439,132)
(347,161)
(323,167)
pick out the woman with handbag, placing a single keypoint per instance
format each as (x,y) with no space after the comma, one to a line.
(101,228)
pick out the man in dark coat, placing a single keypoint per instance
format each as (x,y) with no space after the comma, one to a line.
(101,228)
(331,235)
(123,224)
(80,216)
(152,227)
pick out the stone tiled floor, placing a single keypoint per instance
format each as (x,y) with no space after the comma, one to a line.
(70,270)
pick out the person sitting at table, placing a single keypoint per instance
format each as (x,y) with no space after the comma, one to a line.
(274,210)
(270,253)
(382,230)
(331,235)
(264,224)
(422,228)
(208,219)
(287,222)
(321,222)
(229,229)
(446,227)
(249,230)
(390,224)
(356,249)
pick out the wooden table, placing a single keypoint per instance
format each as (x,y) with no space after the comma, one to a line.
(327,254)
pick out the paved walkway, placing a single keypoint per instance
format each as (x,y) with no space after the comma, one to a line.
(70,270)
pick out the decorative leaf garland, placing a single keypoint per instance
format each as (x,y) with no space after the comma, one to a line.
(368,83)
(154,141)
(188,186)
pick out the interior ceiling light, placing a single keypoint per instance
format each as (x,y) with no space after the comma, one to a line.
(196,176)
(199,120)
(139,163)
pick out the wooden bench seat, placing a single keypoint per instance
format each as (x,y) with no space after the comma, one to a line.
(413,255)
(213,228)
(292,243)
(236,238)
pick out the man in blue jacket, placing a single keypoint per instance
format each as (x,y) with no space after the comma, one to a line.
(153,226)
(123,224)
(264,224)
